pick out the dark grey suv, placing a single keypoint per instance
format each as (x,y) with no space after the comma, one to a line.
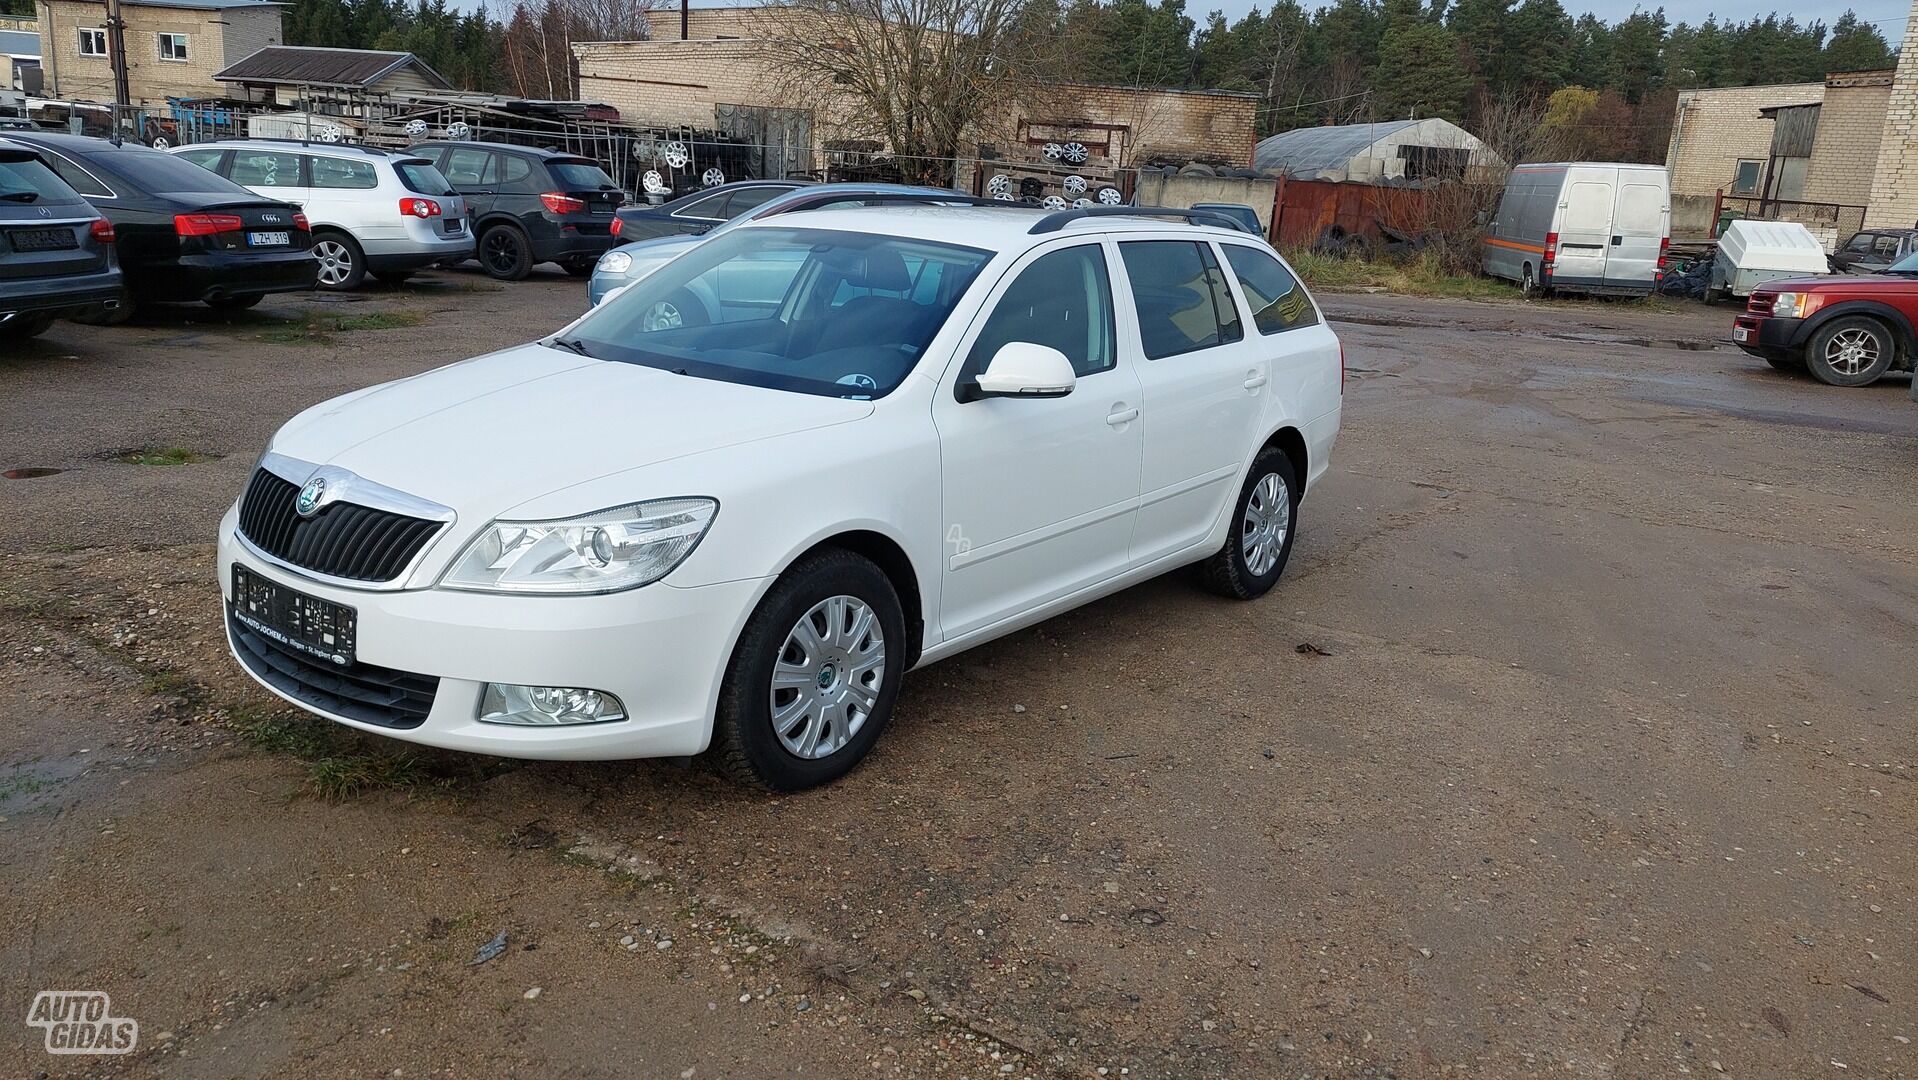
(57,258)
(529,205)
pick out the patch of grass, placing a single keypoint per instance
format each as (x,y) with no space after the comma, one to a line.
(164,455)
(1419,276)
(338,766)
(319,329)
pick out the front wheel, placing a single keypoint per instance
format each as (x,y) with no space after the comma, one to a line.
(1264,523)
(813,679)
(1850,351)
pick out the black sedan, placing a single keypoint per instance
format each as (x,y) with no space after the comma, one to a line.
(56,252)
(184,234)
(693,214)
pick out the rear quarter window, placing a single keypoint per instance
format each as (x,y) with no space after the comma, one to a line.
(1278,300)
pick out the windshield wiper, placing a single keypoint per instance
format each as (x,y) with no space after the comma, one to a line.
(571,345)
(21,196)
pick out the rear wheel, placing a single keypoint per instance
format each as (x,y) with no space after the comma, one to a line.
(505,253)
(21,327)
(342,266)
(1264,523)
(1850,351)
(1528,285)
(813,679)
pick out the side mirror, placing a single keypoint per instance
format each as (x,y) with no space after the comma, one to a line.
(1023,369)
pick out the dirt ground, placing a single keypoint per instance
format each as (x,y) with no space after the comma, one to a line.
(1579,739)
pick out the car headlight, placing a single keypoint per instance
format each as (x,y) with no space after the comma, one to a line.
(1796,305)
(615,262)
(621,548)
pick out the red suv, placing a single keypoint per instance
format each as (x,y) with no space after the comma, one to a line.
(1847,331)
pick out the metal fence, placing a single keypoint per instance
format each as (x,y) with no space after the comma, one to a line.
(1831,223)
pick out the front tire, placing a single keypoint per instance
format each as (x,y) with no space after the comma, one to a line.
(813,679)
(342,265)
(1264,523)
(1850,351)
(505,253)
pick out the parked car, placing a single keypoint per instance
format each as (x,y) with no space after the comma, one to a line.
(910,430)
(629,262)
(183,233)
(372,211)
(530,206)
(1873,251)
(57,258)
(1240,215)
(700,211)
(1846,330)
(1579,226)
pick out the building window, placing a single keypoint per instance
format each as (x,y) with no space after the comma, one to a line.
(173,46)
(93,42)
(1745,180)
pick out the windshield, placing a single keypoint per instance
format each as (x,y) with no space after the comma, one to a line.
(809,310)
(1906,265)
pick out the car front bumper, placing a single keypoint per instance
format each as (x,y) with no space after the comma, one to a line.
(662,650)
(602,284)
(1764,335)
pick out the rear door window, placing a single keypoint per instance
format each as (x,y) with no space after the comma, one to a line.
(1885,247)
(1181,297)
(332,172)
(751,198)
(513,173)
(467,167)
(1278,300)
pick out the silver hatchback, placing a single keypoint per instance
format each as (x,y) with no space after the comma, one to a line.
(373,211)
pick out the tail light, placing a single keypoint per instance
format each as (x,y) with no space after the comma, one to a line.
(561,203)
(618,225)
(422,208)
(1551,254)
(300,222)
(102,230)
(1664,256)
(206,224)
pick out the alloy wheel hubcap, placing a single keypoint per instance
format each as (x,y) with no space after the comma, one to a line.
(1268,516)
(1851,352)
(661,316)
(500,252)
(335,261)
(827,676)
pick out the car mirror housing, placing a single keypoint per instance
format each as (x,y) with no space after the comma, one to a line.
(1024,369)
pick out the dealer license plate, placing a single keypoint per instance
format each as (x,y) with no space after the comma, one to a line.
(307,624)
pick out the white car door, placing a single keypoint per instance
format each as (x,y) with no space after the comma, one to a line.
(1039,493)
(1202,389)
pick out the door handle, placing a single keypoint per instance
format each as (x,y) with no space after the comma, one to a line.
(1255,380)
(1121,416)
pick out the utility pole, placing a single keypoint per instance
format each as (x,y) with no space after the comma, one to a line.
(117,55)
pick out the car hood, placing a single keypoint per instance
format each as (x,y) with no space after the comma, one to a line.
(489,434)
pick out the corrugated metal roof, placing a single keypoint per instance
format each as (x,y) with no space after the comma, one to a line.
(296,65)
(1306,150)
(19,43)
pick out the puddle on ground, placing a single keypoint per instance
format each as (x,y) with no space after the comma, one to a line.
(30,472)
(1692,344)
(33,785)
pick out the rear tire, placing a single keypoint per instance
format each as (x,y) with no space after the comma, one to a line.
(22,327)
(1264,523)
(342,264)
(1528,285)
(832,629)
(505,253)
(1851,351)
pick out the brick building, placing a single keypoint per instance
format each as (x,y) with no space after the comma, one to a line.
(173,47)
(1894,184)
(720,76)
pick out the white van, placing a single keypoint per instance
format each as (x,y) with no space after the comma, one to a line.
(1598,227)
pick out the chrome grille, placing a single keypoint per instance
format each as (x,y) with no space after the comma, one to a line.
(343,540)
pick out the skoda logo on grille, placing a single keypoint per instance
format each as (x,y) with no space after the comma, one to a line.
(311,495)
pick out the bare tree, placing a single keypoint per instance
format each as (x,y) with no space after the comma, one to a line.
(537,51)
(920,76)
(1510,122)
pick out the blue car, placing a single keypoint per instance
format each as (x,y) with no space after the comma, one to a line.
(628,263)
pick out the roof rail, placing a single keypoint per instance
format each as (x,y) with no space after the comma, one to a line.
(1053,222)
(312,144)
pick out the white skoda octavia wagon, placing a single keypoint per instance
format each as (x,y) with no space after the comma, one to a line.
(729,508)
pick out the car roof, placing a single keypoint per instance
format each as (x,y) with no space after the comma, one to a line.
(532,151)
(79,144)
(301,144)
(989,227)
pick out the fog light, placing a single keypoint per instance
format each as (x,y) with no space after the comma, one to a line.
(547,706)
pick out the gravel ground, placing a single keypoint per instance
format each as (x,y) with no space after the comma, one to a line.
(1578,740)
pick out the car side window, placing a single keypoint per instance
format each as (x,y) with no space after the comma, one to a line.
(708,207)
(1278,301)
(466,168)
(206,157)
(1062,300)
(1859,244)
(329,172)
(265,168)
(1180,295)
(751,198)
(1885,245)
(514,174)
(77,178)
